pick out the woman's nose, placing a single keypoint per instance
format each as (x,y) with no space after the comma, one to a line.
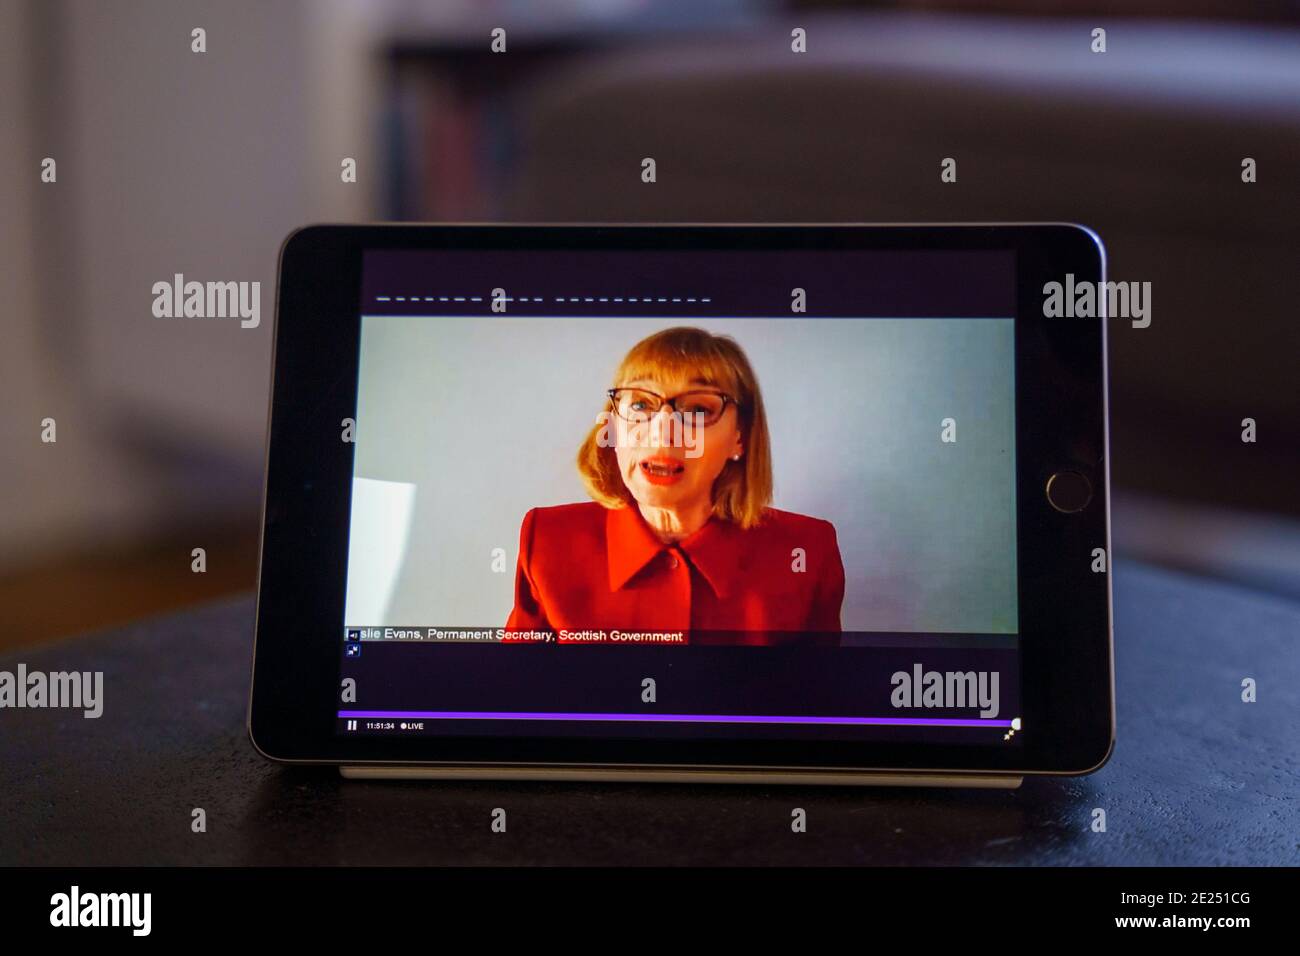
(663,425)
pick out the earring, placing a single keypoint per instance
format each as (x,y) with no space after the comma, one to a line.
(735,457)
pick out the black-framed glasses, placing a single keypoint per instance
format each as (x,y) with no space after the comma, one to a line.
(638,406)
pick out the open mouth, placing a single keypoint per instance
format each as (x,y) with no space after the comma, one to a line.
(661,471)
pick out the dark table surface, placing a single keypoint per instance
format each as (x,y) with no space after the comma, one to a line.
(1197,778)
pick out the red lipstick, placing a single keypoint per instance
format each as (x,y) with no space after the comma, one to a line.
(661,470)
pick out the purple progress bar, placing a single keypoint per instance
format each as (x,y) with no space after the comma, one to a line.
(677,718)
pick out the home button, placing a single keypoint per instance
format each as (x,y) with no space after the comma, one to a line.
(1069,491)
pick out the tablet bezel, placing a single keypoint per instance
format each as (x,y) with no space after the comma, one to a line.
(1066,683)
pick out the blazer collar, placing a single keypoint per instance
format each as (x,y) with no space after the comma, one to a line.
(715,550)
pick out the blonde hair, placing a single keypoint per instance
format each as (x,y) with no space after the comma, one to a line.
(744,488)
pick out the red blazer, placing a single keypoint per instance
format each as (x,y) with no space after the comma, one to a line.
(588,567)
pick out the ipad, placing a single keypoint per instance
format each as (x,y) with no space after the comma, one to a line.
(821,503)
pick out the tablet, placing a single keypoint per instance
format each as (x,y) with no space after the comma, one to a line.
(822,503)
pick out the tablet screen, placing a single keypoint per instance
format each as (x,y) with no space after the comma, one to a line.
(703,493)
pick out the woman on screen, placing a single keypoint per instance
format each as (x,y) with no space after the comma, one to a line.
(679,538)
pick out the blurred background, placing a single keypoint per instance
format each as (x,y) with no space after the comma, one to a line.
(200,163)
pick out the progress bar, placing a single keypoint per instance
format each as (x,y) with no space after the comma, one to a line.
(671,718)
